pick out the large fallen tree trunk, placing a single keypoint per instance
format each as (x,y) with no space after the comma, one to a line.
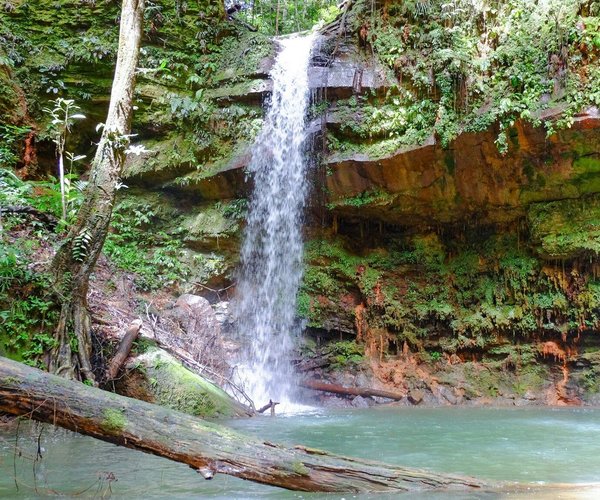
(315,385)
(206,447)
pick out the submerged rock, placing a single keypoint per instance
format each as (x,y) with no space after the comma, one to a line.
(360,402)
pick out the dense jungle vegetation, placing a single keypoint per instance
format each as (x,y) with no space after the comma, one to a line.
(494,290)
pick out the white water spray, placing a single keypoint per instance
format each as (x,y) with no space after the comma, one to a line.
(271,257)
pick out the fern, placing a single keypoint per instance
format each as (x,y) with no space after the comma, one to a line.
(81,244)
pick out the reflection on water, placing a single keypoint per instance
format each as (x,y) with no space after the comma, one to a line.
(535,446)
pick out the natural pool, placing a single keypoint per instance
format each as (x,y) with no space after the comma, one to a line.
(526,445)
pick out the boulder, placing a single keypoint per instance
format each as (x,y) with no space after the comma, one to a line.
(360,402)
(196,313)
(192,326)
(158,377)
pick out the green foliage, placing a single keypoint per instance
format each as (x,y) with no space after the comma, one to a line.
(277,17)
(568,228)
(468,292)
(27,312)
(10,136)
(235,209)
(63,116)
(465,65)
(43,195)
(13,191)
(398,120)
(153,256)
(81,244)
(344,354)
(373,197)
(237,56)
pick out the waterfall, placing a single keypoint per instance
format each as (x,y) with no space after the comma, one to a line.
(271,255)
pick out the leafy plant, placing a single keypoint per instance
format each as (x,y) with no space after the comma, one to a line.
(344,354)
(27,311)
(154,257)
(10,135)
(63,115)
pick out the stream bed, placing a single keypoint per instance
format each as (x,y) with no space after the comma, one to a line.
(525,445)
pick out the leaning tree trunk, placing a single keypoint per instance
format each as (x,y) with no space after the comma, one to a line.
(76,258)
(204,446)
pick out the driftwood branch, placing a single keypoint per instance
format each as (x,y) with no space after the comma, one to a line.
(315,385)
(124,349)
(206,447)
(271,404)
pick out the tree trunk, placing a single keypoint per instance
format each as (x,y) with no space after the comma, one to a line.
(277,19)
(315,385)
(206,447)
(76,258)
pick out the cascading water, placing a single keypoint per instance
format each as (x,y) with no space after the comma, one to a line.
(271,257)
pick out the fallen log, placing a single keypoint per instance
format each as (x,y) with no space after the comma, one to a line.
(315,385)
(47,219)
(124,349)
(204,446)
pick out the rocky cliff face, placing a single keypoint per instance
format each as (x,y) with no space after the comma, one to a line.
(478,266)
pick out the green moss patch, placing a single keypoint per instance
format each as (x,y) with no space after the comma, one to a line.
(174,386)
(114,421)
(568,228)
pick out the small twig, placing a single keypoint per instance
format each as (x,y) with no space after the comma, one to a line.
(15,454)
(213,290)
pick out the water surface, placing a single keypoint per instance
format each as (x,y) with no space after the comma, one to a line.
(536,446)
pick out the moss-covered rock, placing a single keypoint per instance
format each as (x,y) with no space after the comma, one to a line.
(472,293)
(165,381)
(13,108)
(566,229)
(424,184)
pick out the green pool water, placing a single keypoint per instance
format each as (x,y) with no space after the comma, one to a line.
(525,445)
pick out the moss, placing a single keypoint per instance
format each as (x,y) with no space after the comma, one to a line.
(241,89)
(209,221)
(173,386)
(167,158)
(376,197)
(590,381)
(531,377)
(565,229)
(586,165)
(255,48)
(113,421)
(466,291)
(299,468)
(11,110)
